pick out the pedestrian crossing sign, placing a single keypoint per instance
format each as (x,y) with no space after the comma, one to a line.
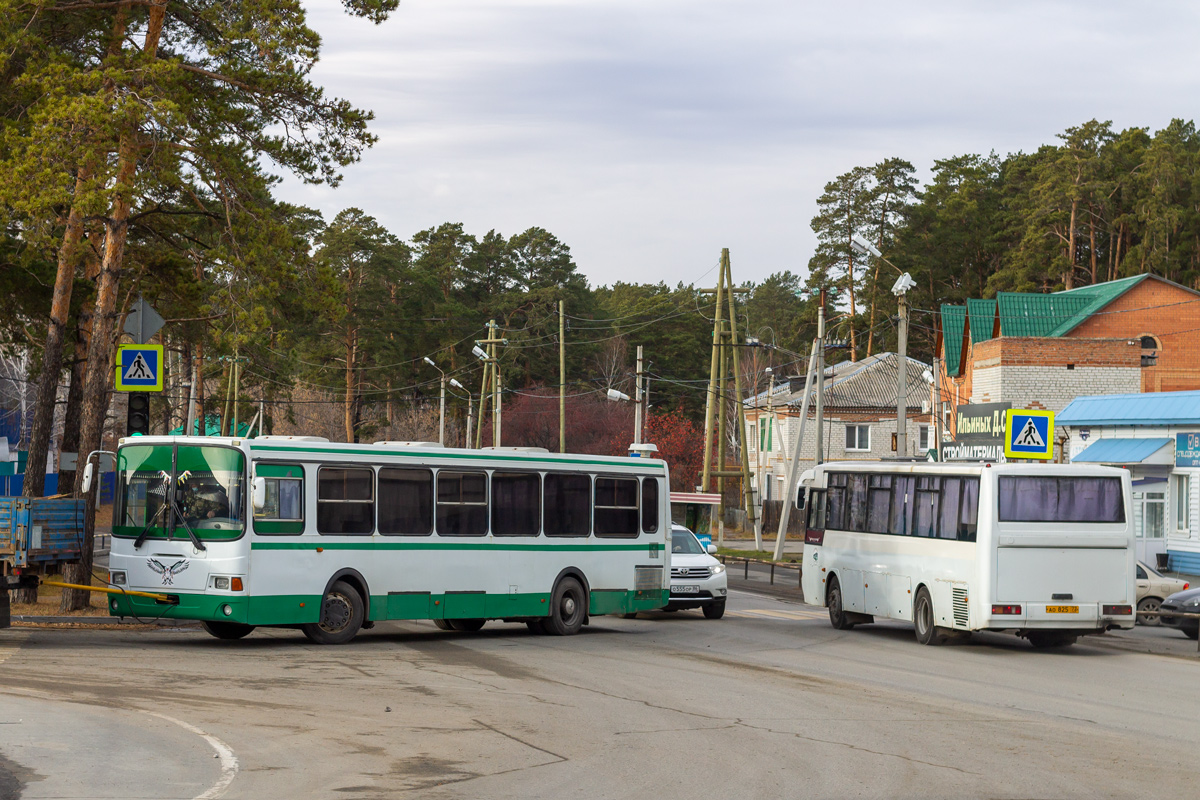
(140,368)
(1030,434)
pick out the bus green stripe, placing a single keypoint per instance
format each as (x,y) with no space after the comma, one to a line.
(327,545)
(434,454)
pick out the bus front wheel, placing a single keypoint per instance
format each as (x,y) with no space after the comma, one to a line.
(924,620)
(341,616)
(838,617)
(568,607)
(227,630)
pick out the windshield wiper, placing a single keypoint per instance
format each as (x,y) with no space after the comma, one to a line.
(199,545)
(141,539)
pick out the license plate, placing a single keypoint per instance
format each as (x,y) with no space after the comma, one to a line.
(1062,609)
(685,589)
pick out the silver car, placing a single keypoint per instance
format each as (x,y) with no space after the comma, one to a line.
(1152,589)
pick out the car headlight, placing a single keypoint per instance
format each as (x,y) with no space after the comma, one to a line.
(718,569)
(1193,602)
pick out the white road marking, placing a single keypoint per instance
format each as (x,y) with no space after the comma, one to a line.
(229,762)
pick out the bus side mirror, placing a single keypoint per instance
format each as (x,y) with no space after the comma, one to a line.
(87,477)
(259,493)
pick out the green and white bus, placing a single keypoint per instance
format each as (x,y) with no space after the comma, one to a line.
(294,531)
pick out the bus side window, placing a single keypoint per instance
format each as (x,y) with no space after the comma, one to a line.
(616,507)
(462,503)
(925,506)
(516,503)
(405,501)
(856,503)
(649,505)
(567,501)
(879,501)
(345,500)
(901,521)
(969,518)
(283,511)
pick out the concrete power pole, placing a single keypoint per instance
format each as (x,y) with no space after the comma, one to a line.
(793,476)
(637,400)
(562,379)
(902,378)
(821,380)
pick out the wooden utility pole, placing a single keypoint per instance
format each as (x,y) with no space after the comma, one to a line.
(491,377)
(638,419)
(725,360)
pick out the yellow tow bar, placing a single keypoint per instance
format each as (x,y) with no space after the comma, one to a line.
(162,598)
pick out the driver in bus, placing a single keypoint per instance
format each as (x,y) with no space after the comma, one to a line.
(199,505)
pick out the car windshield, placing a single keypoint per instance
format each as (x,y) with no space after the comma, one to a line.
(160,488)
(684,542)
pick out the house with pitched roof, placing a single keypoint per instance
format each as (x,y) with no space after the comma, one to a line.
(859,418)
(1136,334)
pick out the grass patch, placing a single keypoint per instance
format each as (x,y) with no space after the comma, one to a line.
(764,555)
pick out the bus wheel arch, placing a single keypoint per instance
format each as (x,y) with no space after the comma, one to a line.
(568,603)
(357,582)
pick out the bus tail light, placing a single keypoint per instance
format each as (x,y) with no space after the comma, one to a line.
(1117,611)
(236,584)
(1001,609)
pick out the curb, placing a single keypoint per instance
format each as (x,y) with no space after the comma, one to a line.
(88,621)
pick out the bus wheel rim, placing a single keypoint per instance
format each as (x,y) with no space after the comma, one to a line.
(335,615)
(568,606)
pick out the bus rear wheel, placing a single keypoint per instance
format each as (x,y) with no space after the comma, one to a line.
(838,617)
(568,607)
(443,624)
(227,630)
(924,619)
(341,616)
(467,625)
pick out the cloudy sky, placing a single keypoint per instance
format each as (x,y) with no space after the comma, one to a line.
(649,134)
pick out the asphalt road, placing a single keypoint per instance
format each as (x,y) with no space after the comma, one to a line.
(768,702)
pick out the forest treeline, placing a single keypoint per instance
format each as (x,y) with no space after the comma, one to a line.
(139,155)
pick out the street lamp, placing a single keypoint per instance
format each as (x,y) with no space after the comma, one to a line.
(442,404)
(900,290)
(614,395)
(458,385)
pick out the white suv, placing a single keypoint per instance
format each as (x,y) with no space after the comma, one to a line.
(697,579)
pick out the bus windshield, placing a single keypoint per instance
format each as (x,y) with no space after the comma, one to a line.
(162,488)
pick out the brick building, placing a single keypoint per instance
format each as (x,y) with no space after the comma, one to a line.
(1138,334)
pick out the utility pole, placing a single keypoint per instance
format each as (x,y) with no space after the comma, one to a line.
(562,379)
(637,400)
(902,377)
(821,380)
(441,402)
(490,359)
(725,358)
(793,476)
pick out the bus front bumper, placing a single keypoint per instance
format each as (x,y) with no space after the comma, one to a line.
(210,607)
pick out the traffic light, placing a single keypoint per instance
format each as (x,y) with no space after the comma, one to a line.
(137,420)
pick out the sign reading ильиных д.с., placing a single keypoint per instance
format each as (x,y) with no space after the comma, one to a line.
(978,433)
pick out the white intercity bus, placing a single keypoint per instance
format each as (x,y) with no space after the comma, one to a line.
(1044,550)
(329,538)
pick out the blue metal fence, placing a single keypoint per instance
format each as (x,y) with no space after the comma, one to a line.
(12,485)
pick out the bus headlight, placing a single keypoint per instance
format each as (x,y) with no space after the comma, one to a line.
(718,569)
(221,582)
(116,578)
